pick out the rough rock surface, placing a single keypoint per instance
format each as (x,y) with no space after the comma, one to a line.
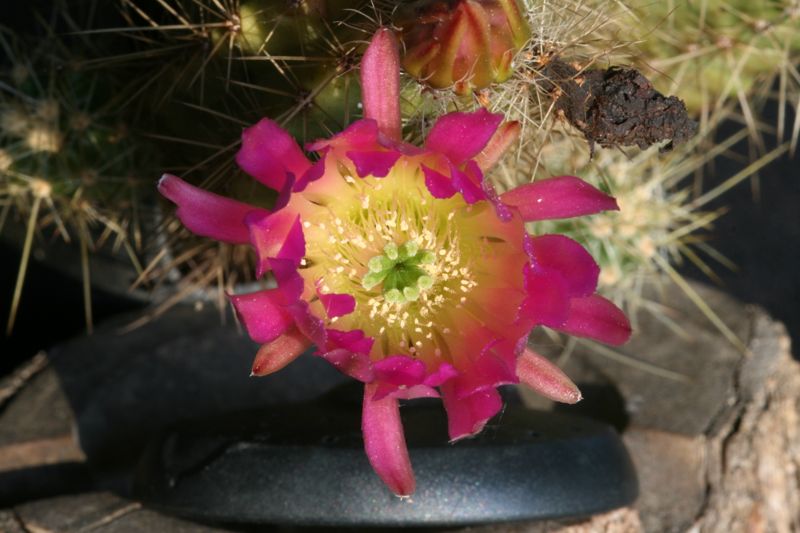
(98,512)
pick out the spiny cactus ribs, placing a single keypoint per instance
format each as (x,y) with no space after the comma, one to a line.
(618,106)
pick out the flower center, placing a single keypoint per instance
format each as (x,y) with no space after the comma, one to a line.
(400,270)
(419,268)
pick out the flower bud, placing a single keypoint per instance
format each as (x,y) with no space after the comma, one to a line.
(463,44)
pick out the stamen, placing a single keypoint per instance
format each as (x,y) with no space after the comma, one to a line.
(399,255)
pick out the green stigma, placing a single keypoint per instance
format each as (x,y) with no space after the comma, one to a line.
(399,270)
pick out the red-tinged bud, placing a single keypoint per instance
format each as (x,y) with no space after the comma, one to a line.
(463,44)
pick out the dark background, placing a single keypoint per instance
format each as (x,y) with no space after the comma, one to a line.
(762,236)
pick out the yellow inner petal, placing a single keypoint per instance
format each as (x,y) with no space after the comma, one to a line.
(355,219)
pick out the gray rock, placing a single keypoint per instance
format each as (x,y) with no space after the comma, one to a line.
(99,512)
(704,364)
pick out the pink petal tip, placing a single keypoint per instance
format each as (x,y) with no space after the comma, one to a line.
(207,214)
(385,443)
(503,138)
(557,253)
(262,314)
(468,415)
(380,82)
(546,378)
(277,354)
(599,319)
(560,197)
(462,136)
(270,154)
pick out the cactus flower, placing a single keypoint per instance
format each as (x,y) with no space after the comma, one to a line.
(402,265)
(463,44)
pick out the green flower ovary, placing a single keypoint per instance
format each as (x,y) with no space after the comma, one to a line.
(400,270)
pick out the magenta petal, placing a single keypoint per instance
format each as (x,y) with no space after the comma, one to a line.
(383,389)
(467,416)
(399,146)
(269,153)
(262,314)
(439,185)
(404,378)
(547,379)
(314,173)
(385,443)
(208,214)
(548,298)
(502,210)
(307,323)
(561,197)
(445,372)
(337,304)
(494,366)
(353,341)
(294,246)
(400,370)
(279,235)
(597,318)
(348,352)
(568,258)
(285,194)
(461,136)
(468,182)
(417,391)
(356,365)
(290,282)
(373,163)
(397,375)
(361,135)
(380,82)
